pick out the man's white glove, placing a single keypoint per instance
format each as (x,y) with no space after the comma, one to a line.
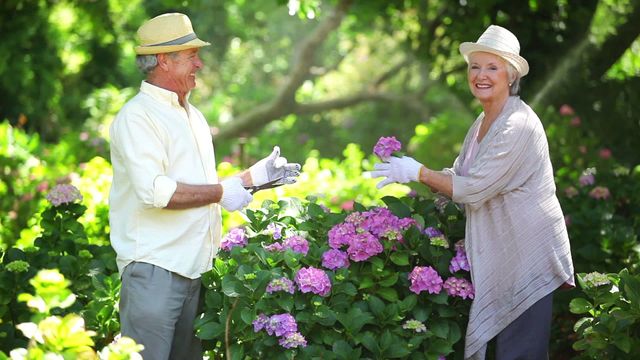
(234,195)
(274,167)
(400,170)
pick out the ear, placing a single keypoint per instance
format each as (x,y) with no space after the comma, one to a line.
(163,60)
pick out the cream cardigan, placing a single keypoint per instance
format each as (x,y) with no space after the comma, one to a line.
(516,238)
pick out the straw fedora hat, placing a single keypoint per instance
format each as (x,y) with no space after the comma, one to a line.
(499,41)
(167,33)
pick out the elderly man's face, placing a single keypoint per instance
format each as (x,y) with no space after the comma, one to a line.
(182,68)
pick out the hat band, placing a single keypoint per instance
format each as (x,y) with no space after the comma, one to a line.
(179,41)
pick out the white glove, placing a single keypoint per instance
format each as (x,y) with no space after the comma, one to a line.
(400,170)
(274,167)
(234,195)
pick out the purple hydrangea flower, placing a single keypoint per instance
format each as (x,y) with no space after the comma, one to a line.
(275,230)
(432,232)
(281,324)
(460,261)
(335,259)
(273,247)
(340,234)
(587,179)
(363,246)
(260,322)
(297,244)
(459,287)
(313,280)
(292,340)
(280,284)
(235,237)
(64,194)
(425,278)
(386,146)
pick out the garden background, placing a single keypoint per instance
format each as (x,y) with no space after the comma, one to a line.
(324,80)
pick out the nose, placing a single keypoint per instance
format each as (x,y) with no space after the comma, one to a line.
(198,62)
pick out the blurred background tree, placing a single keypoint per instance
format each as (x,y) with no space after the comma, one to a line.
(315,74)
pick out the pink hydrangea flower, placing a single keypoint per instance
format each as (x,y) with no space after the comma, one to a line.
(363,246)
(386,146)
(600,193)
(64,194)
(425,278)
(459,287)
(335,259)
(296,243)
(280,284)
(310,279)
(587,179)
(575,121)
(235,237)
(570,192)
(566,110)
(459,262)
(605,153)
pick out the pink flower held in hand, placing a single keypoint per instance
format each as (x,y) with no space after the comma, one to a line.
(313,280)
(386,146)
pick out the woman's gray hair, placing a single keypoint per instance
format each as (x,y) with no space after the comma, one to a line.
(514,86)
(146,63)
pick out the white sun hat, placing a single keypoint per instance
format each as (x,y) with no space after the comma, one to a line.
(499,41)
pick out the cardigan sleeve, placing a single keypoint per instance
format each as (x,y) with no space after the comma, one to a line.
(504,163)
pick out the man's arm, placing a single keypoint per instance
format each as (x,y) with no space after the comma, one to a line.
(189,196)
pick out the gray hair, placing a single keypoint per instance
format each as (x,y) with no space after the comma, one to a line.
(514,86)
(146,63)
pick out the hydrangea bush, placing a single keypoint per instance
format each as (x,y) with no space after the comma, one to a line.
(300,281)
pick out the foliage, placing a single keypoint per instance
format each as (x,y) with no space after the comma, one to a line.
(367,310)
(610,324)
(61,245)
(61,336)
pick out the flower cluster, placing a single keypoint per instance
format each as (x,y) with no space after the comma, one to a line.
(235,237)
(425,278)
(595,279)
(295,243)
(335,259)
(283,326)
(64,194)
(414,325)
(436,237)
(281,284)
(275,230)
(386,146)
(310,279)
(459,287)
(460,261)
(361,233)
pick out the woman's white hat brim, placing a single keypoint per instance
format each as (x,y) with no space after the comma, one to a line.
(520,63)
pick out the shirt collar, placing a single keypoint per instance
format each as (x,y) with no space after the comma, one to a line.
(161,94)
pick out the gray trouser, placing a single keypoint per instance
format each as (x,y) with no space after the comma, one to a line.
(527,337)
(157,310)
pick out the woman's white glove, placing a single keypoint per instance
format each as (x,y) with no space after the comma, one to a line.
(274,167)
(234,195)
(399,170)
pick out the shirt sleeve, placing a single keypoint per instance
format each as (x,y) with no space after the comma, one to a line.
(494,170)
(140,143)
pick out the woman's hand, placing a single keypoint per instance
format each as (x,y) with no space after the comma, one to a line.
(399,170)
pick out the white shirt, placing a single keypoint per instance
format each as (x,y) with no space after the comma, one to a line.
(156,143)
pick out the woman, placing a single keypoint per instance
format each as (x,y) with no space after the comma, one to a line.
(516,238)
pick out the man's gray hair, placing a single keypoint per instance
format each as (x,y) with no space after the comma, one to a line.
(514,86)
(146,63)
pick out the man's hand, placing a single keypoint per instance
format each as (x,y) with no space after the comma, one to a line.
(399,170)
(274,167)
(234,195)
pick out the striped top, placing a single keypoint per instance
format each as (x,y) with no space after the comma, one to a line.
(516,238)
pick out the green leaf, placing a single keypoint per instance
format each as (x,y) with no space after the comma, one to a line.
(397,207)
(389,294)
(355,319)
(390,280)
(231,286)
(622,342)
(248,315)
(580,306)
(370,342)
(210,331)
(408,303)
(440,328)
(376,305)
(400,258)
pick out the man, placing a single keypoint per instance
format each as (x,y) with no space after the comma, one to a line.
(165,196)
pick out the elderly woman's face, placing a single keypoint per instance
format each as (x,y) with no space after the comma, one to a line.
(488,76)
